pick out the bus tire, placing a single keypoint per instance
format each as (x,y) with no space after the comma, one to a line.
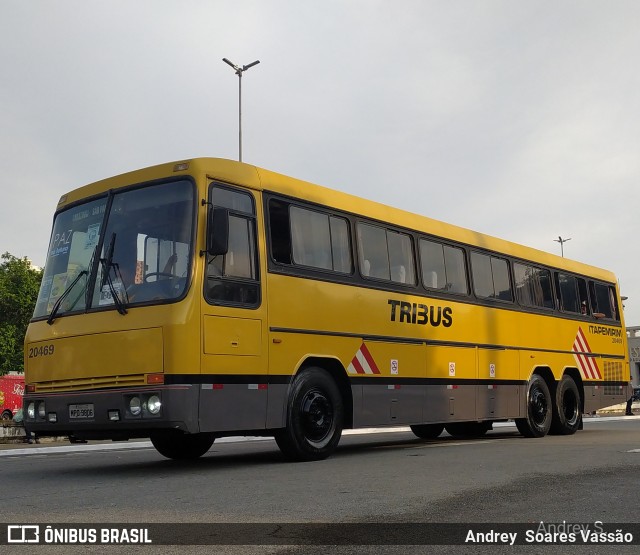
(539,409)
(179,446)
(6,415)
(467,429)
(566,408)
(427,431)
(315,413)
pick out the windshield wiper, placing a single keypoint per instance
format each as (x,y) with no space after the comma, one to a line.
(107,265)
(62,297)
(68,290)
(107,261)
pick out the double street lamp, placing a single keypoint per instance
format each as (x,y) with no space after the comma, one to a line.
(239,71)
(562,242)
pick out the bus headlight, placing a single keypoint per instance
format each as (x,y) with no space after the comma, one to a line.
(154,404)
(31,411)
(42,412)
(135,406)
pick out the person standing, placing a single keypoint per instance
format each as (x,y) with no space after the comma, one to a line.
(29,437)
(635,396)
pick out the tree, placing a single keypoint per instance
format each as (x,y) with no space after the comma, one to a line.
(19,286)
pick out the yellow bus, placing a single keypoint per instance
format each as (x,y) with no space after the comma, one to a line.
(207,298)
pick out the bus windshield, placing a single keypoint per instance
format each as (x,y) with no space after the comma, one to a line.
(120,250)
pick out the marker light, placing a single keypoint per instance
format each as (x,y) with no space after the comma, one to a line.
(155,378)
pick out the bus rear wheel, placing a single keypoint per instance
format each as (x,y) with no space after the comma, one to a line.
(539,413)
(427,431)
(468,429)
(566,408)
(315,413)
(179,446)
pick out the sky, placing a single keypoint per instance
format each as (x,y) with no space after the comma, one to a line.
(516,119)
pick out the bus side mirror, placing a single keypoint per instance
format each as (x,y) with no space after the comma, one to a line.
(218,231)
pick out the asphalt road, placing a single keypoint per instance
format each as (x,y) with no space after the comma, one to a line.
(375,479)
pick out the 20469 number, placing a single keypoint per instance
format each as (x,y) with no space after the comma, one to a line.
(41,351)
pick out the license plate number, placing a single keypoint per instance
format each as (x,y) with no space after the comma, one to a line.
(81,411)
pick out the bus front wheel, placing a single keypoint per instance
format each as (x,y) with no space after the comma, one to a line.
(179,446)
(315,414)
(539,413)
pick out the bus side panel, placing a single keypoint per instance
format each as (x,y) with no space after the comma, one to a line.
(449,398)
(592,397)
(497,400)
(234,386)
(230,406)
(277,398)
(400,398)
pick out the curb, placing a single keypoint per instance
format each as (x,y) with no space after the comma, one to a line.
(13,433)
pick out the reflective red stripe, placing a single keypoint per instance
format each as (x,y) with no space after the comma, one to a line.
(367,355)
(356,364)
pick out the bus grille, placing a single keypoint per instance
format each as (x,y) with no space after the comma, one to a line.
(90,383)
(612,373)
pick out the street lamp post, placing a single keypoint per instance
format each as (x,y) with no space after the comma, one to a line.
(562,242)
(239,71)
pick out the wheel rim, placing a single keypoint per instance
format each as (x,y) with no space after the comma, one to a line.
(570,407)
(538,406)
(317,416)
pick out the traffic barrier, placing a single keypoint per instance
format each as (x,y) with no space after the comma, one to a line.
(10,431)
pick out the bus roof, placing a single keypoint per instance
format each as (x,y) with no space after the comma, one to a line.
(260,179)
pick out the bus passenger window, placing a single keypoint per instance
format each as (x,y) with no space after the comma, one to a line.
(401,258)
(280,231)
(603,300)
(299,236)
(319,240)
(491,277)
(572,292)
(583,296)
(567,291)
(443,267)
(386,254)
(340,245)
(533,286)
(373,249)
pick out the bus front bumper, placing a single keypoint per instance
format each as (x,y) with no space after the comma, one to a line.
(112,413)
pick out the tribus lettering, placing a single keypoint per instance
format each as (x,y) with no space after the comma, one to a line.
(414,313)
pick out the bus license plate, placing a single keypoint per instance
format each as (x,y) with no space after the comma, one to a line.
(81,411)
